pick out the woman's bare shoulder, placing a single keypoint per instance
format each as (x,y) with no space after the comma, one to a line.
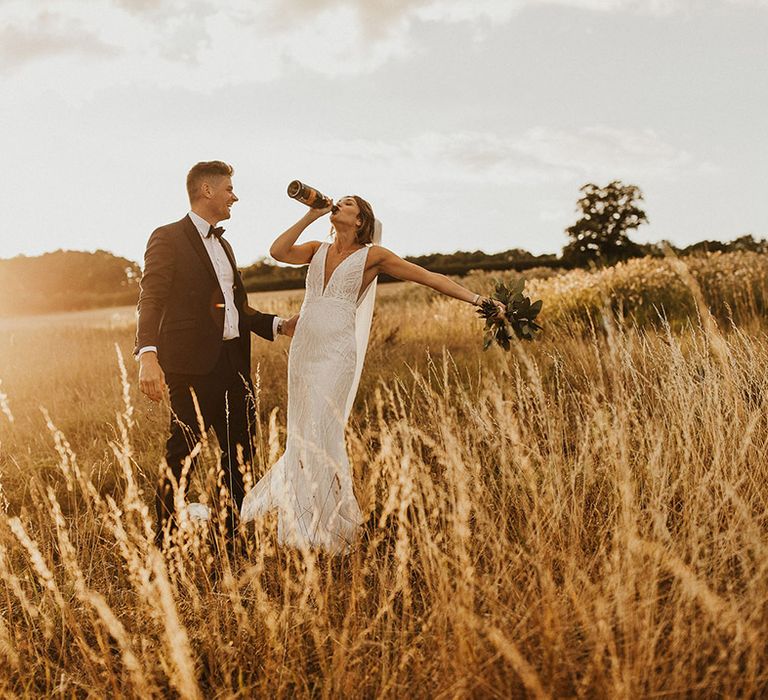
(378,253)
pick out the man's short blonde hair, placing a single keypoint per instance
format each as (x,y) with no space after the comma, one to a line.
(206,170)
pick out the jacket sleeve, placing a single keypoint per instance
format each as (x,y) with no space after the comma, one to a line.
(255,321)
(259,323)
(159,268)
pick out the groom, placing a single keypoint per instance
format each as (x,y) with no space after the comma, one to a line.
(193,336)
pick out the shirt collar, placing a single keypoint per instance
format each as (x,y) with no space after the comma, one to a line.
(200,224)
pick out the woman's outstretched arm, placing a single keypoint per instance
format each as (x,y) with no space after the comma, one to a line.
(284,248)
(393,265)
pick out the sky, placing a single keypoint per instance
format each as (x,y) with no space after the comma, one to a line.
(468,124)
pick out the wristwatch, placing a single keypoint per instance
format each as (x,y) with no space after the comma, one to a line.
(280,322)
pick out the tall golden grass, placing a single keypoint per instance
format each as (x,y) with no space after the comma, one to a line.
(583,517)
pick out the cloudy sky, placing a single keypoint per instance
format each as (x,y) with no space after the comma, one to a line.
(467,123)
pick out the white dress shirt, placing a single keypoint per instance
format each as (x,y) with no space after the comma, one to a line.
(226,276)
(224,273)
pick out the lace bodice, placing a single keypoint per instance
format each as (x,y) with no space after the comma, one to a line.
(344,283)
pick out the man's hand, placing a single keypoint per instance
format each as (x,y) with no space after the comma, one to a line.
(289,326)
(151,376)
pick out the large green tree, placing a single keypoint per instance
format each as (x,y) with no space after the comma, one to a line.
(607,214)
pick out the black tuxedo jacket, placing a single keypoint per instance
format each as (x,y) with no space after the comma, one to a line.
(181,305)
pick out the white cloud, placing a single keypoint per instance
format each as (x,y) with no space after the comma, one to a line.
(653,7)
(47,35)
(538,156)
(190,43)
(604,152)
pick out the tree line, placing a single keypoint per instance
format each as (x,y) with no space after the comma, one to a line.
(69,280)
(608,213)
(264,275)
(66,280)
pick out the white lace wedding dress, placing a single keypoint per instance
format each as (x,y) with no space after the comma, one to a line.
(310,486)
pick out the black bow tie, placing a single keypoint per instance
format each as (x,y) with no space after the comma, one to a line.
(217,232)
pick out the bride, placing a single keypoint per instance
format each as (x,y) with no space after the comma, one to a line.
(310,486)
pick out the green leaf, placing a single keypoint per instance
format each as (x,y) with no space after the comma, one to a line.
(517,320)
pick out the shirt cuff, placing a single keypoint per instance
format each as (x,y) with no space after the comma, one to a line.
(275,321)
(146,348)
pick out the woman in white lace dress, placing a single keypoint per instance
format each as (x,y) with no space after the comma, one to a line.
(311,484)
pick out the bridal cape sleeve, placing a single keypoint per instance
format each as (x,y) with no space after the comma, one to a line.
(363,318)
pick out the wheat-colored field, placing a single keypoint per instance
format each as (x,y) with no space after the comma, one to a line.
(585,516)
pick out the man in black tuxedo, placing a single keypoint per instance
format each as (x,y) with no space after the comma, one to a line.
(193,335)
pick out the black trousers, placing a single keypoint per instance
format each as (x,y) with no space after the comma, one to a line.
(226,400)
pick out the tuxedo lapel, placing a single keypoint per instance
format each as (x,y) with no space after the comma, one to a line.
(231,257)
(197,243)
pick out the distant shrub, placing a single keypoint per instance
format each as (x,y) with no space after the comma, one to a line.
(66,280)
(646,289)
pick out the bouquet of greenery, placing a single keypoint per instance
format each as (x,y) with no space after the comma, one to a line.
(518,318)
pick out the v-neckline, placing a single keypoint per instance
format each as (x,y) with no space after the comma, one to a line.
(325,260)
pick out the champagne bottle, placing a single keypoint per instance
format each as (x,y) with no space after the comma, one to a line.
(308,195)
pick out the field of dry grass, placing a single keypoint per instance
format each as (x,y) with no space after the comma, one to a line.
(586,516)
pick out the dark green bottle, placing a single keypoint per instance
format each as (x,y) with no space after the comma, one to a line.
(308,195)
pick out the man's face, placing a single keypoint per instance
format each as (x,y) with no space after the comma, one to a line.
(222,197)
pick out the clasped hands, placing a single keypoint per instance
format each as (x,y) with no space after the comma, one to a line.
(289,326)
